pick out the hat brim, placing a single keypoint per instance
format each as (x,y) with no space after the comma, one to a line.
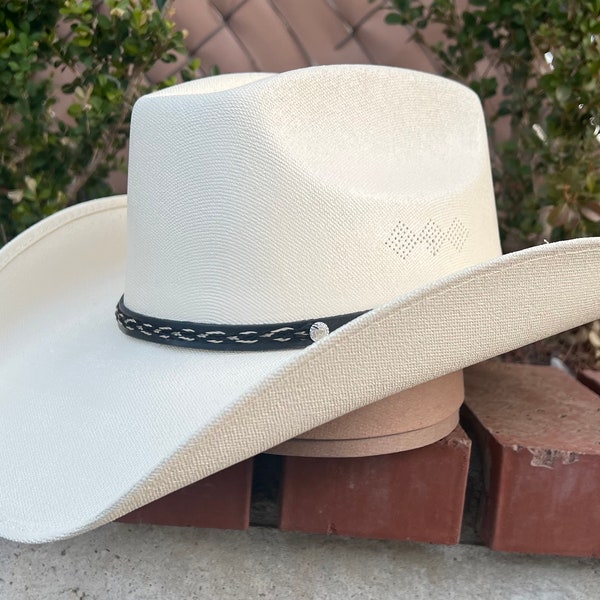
(95,423)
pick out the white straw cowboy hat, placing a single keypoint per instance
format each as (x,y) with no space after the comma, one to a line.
(263,211)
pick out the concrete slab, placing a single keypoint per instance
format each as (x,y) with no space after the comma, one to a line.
(126,562)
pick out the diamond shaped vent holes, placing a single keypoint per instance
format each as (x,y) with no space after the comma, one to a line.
(403,240)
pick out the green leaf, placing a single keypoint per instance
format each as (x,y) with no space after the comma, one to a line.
(590,182)
(395,19)
(563,93)
(75,110)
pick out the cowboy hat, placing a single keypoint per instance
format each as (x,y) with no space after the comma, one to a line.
(293,247)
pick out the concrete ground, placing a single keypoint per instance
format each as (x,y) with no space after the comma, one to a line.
(120,561)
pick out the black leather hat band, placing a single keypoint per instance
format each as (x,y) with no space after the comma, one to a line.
(209,336)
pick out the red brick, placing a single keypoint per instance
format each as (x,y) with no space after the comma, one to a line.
(220,501)
(539,433)
(591,379)
(413,495)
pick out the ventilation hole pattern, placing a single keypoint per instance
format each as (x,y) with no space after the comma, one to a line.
(403,240)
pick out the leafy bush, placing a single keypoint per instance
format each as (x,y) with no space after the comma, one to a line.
(49,163)
(536,67)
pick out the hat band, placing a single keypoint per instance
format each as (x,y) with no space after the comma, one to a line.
(266,336)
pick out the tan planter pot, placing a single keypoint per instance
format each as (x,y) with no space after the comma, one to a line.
(410,419)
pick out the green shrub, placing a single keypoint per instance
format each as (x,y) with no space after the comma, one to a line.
(49,163)
(536,67)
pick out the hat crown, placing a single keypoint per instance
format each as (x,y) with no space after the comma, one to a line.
(260,198)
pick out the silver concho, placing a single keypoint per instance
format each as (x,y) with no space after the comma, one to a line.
(318,331)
